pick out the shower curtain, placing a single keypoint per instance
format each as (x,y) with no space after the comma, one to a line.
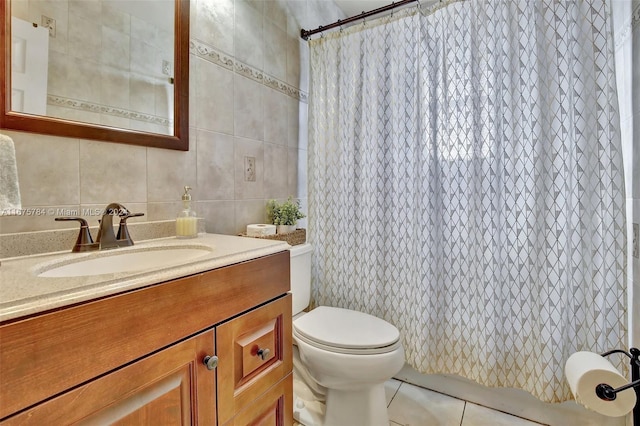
(465,184)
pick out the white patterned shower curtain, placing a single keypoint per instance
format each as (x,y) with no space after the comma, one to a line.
(465,184)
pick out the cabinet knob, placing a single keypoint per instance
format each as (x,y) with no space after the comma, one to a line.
(263,353)
(211,362)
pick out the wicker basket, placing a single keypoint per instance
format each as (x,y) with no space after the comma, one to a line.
(299,236)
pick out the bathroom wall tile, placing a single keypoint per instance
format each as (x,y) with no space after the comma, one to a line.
(275,57)
(115,18)
(141,93)
(164,210)
(38,218)
(304,66)
(87,9)
(293,61)
(245,190)
(145,58)
(112,120)
(111,173)
(115,51)
(304,207)
(292,171)
(214,97)
(476,415)
(74,114)
(164,99)
(73,78)
(193,91)
(215,165)
(247,212)
(417,406)
(275,171)
(293,122)
(303,126)
(219,216)
(143,30)
(276,12)
(248,101)
(85,36)
(46,179)
(248,35)
(114,90)
(298,17)
(214,22)
(276,111)
(168,171)
(302,173)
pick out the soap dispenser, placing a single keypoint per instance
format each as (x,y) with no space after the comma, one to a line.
(186,222)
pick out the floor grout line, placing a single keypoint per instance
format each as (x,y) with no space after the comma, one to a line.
(463,410)
(394,395)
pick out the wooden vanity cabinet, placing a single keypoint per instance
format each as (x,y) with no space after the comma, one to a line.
(137,358)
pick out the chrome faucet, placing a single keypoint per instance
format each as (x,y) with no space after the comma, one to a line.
(106,238)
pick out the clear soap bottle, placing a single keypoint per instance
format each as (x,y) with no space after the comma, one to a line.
(186,222)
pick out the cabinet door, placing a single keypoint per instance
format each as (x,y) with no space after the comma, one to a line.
(170,387)
(273,408)
(255,352)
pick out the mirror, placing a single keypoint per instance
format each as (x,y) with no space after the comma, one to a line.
(135,91)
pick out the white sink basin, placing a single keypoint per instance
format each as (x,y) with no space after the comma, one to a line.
(110,262)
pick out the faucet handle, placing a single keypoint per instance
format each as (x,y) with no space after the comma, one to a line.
(84,242)
(123,232)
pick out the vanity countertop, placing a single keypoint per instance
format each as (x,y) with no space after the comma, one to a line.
(23,292)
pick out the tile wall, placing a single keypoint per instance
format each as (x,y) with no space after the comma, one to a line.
(248,87)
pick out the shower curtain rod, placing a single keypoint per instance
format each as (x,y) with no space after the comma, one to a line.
(306,33)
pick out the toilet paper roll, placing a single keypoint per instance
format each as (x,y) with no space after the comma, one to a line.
(585,371)
(260,230)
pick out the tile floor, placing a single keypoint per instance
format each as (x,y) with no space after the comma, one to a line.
(416,406)
(410,405)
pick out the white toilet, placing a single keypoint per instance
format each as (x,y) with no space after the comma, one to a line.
(341,358)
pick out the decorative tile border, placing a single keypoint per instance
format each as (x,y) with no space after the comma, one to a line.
(104,109)
(215,56)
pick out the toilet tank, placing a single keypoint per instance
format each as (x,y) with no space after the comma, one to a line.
(300,276)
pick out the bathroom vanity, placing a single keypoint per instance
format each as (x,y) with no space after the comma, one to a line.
(211,346)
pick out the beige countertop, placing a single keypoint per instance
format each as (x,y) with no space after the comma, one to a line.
(23,292)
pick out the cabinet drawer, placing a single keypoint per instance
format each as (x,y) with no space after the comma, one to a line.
(170,387)
(254,352)
(273,408)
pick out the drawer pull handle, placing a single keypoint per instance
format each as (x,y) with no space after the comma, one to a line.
(263,353)
(211,362)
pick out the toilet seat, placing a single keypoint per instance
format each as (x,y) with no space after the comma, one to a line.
(346,331)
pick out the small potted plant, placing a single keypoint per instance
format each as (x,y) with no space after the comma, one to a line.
(285,215)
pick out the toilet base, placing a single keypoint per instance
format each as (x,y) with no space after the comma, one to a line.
(366,407)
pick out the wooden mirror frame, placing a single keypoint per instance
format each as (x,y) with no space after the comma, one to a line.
(11,120)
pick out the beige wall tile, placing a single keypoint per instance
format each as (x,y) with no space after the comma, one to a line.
(247,212)
(276,112)
(214,97)
(214,23)
(215,164)
(248,34)
(219,216)
(248,102)
(47,169)
(276,159)
(168,172)
(110,172)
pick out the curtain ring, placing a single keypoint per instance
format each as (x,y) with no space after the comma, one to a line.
(364,19)
(340,24)
(392,8)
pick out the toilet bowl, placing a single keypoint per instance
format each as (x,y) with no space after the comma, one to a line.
(345,354)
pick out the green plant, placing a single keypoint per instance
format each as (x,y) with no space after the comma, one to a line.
(286,213)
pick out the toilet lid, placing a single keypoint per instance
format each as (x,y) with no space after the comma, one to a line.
(346,329)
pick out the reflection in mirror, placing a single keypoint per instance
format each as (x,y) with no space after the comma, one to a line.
(109,62)
(102,66)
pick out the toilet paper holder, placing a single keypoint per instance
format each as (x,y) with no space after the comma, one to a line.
(608,393)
